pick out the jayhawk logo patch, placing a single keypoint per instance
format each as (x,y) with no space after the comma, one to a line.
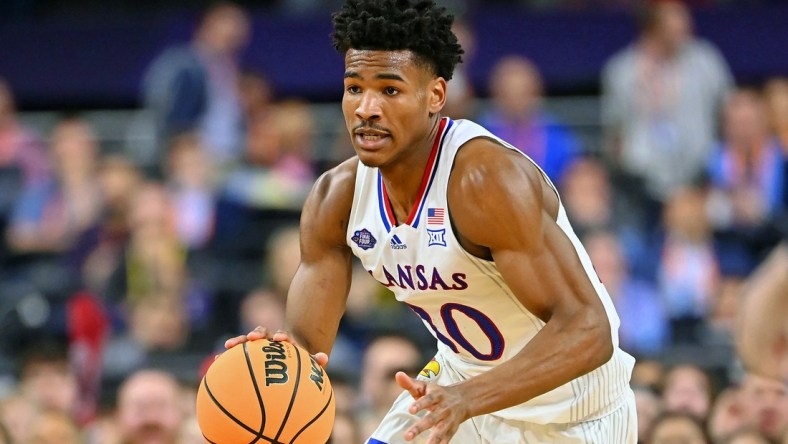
(431,370)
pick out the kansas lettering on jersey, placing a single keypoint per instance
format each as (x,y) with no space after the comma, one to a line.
(419,277)
(463,300)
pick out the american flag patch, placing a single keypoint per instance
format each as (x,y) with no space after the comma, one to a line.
(435,216)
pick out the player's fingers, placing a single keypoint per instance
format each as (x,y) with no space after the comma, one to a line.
(428,401)
(416,430)
(440,433)
(257,333)
(442,439)
(416,388)
(321,358)
(282,336)
(232,342)
(423,424)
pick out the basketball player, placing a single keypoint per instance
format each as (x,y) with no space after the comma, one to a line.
(471,234)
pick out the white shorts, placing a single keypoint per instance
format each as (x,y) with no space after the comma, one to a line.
(618,426)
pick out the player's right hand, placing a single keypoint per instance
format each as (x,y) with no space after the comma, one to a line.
(281,336)
(258,333)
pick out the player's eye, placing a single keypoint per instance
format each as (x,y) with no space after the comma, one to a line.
(391,91)
(353,89)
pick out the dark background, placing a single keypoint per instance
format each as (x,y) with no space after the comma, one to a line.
(60,54)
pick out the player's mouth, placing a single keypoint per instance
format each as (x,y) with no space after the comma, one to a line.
(368,139)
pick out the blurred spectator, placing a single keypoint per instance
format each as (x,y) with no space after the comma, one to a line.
(51,215)
(345,392)
(277,172)
(383,358)
(648,406)
(748,173)
(746,436)
(661,98)
(149,408)
(152,287)
(158,321)
(22,157)
(191,183)
(20,146)
(194,87)
(588,197)
(461,96)
(55,428)
(262,307)
(154,257)
(764,404)
(283,257)
(18,414)
(688,272)
(256,95)
(345,430)
(687,389)
(61,371)
(190,432)
(517,116)
(747,165)
(47,379)
(644,322)
(649,373)
(776,95)
(721,318)
(593,204)
(119,180)
(104,430)
(296,124)
(726,415)
(676,427)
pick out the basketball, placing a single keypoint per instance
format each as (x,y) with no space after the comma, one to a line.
(267,392)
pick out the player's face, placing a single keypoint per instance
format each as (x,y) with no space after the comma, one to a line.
(390,104)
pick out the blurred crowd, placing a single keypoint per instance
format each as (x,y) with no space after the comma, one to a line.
(121,274)
(16,9)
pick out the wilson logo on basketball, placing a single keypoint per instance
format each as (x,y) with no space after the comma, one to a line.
(317,374)
(275,366)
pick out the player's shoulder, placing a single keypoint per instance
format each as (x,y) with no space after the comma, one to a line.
(332,193)
(490,180)
(483,162)
(340,179)
(494,190)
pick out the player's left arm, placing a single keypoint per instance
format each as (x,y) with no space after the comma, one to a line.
(503,208)
(540,265)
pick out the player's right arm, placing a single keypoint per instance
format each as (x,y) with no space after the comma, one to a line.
(318,292)
(319,289)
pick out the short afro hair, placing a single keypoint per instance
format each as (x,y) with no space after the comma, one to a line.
(391,25)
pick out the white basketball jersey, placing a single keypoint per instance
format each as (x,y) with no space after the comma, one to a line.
(463,300)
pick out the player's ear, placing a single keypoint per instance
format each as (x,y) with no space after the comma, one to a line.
(437,94)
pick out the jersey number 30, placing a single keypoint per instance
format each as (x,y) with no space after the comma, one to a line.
(485,324)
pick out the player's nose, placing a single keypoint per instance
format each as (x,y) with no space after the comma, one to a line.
(368,107)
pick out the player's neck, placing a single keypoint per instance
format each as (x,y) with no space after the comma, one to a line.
(403,177)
